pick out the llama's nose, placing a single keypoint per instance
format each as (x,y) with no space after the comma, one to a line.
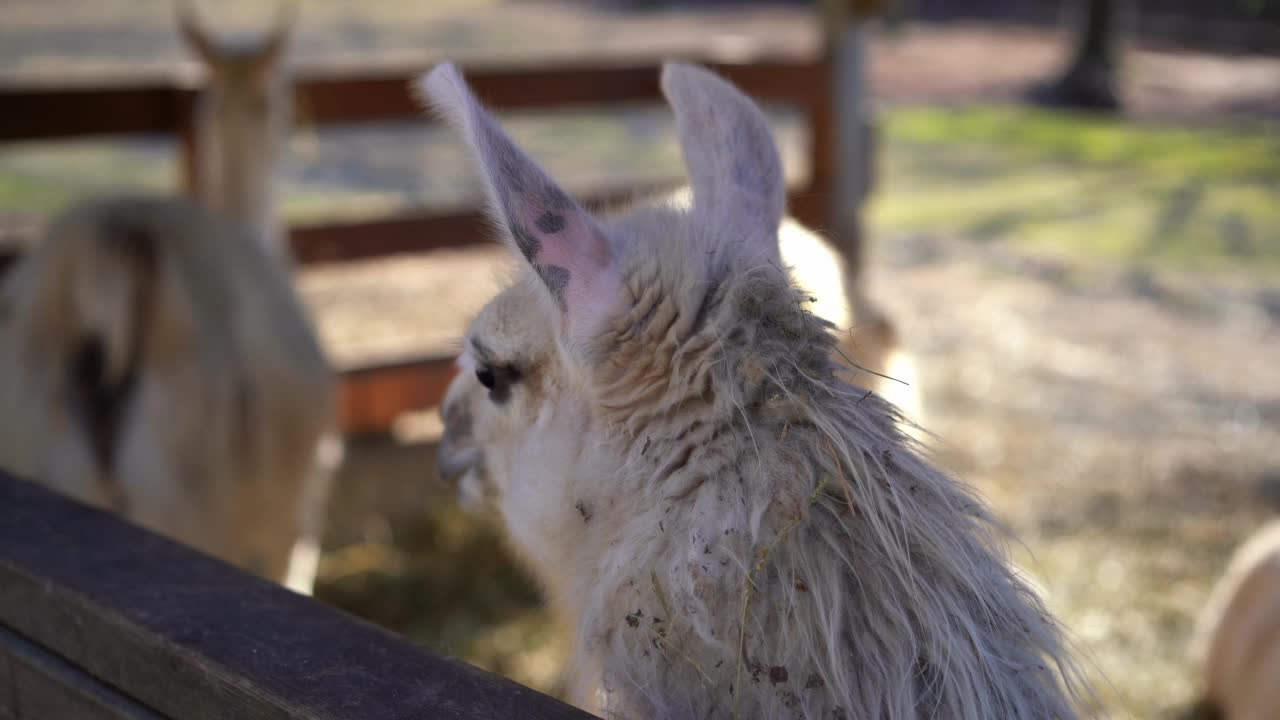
(454,454)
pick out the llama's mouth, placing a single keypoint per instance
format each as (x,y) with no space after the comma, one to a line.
(463,468)
(455,454)
(453,462)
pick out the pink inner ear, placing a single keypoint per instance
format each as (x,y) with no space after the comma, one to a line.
(567,236)
(569,252)
(562,244)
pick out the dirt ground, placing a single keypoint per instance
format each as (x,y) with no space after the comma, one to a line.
(1123,423)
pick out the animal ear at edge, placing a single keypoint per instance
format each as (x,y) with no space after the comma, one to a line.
(738,185)
(561,242)
(273,49)
(195,35)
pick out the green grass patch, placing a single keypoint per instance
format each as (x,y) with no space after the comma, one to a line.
(1086,186)
(39,178)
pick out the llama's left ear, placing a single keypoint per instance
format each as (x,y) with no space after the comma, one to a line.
(195,35)
(559,240)
(738,187)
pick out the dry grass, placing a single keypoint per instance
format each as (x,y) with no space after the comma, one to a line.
(1124,425)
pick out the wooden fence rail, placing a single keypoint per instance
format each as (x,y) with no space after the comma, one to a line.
(373,396)
(101,620)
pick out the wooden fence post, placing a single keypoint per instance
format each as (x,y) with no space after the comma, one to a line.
(844,26)
(188,152)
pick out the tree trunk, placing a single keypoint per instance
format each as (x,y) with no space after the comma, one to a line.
(1092,77)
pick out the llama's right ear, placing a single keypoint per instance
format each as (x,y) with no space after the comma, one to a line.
(738,185)
(272,52)
(560,241)
(195,35)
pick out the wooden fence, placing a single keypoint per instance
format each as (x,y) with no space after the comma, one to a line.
(372,397)
(101,620)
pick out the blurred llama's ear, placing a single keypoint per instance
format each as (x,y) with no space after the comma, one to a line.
(738,186)
(195,35)
(561,241)
(272,51)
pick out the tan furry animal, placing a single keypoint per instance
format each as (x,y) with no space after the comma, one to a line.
(727,528)
(242,122)
(163,368)
(1238,640)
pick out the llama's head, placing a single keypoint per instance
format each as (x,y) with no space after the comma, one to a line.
(241,74)
(243,115)
(585,337)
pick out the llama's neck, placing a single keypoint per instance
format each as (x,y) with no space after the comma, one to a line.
(769,544)
(238,162)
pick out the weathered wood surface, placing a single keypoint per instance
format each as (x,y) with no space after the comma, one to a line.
(192,638)
(38,685)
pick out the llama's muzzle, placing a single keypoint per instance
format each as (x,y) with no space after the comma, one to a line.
(453,462)
(455,455)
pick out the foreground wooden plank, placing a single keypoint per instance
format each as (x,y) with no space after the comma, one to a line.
(38,685)
(192,638)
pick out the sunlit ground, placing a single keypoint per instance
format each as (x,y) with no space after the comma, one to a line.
(1094,304)
(1195,198)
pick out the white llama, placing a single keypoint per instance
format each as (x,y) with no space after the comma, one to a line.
(159,365)
(241,124)
(727,528)
(1238,639)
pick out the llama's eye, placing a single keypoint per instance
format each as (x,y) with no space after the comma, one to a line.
(498,379)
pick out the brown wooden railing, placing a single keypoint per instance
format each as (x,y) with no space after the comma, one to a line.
(373,396)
